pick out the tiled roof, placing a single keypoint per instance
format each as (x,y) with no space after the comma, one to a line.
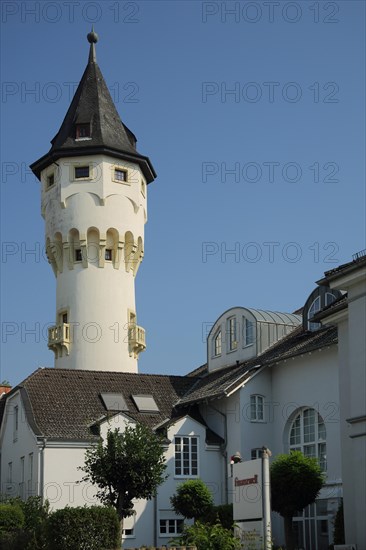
(221,382)
(65,402)
(359,259)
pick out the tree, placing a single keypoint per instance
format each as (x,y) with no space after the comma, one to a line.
(130,465)
(295,483)
(192,500)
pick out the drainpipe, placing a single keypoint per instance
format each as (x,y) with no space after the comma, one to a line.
(41,467)
(155,519)
(223,450)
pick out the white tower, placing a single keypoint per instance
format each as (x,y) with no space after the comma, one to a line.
(94,190)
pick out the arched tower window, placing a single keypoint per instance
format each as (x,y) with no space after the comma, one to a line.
(314,308)
(308,435)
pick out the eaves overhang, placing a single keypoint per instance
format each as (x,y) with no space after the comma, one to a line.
(52,157)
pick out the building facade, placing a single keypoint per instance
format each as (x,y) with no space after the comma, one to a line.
(287,381)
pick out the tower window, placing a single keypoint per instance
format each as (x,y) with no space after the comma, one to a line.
(120,175)
(231,334)
(217,344)
(82,172)
(82,131)
(50,180)
(78,256)
(108,254)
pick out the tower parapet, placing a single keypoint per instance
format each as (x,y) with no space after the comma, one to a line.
(94,202)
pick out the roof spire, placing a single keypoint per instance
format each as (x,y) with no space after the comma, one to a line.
(92,39)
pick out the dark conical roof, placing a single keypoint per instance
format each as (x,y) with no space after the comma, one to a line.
(92,104)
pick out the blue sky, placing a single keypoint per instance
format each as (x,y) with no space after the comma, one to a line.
(253,115)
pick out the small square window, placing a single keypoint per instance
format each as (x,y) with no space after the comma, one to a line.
(82,131)
(120,175)
(78,256)
(82,172)
(50,180)
(108,254)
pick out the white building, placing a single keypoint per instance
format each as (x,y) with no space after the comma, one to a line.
(271,378)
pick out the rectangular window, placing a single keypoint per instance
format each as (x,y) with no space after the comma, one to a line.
(217,344)
(78,256)
(120,175)
(50,180)
(64,317)
(143,188)
(16,423)
(171,526)
(256,453)
(186,456)
(30,474)
(82,131)
(231,333)
(22,476)
(256,408)
(108,254)
(248,332)
(10,473)
(82,172)
(128,532)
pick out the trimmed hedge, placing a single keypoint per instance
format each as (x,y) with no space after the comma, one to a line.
(92,528)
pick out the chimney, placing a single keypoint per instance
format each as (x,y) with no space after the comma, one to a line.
(5,387)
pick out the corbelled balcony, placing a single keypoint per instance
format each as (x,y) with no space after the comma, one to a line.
(59,337)
(136,339)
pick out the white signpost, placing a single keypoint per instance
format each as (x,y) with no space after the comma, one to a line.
(252,512)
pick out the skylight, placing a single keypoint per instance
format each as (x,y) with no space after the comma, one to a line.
(114,402)
(145,403)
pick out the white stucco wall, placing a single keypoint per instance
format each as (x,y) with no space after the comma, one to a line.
(14,447)
(97,295)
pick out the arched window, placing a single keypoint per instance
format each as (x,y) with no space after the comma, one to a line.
(217,343)
(314,308)
(308,435)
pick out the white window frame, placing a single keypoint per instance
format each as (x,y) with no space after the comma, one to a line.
(232,334)
(170,522)
(30,473)
(303,442)
(193,469)
(118,168)
(315,306)
(256,453)
(246,324)
(217,343)
(16,423)
(10,473)
(257,408)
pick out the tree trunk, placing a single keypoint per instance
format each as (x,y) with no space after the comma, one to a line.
(289,534)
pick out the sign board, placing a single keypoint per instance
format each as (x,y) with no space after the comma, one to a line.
(250,534)
(247,489)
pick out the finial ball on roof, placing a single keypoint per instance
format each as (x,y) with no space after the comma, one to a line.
(92,37)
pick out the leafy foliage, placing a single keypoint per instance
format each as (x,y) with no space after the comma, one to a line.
(208,537)
(88,528)
(32,534)
(130,465)
(295,482)
(222,514)
(192,500)
(11,518)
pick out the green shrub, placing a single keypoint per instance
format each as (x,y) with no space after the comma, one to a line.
(11,518)
(192,499)
(32,536)
(93,528)
(208,537)
(221,514)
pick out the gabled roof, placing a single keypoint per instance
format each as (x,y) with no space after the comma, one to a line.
(92,104)
(64,403)
(221,382)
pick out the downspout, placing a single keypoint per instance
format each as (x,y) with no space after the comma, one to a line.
(223,451)
(41,468)
(156,520)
